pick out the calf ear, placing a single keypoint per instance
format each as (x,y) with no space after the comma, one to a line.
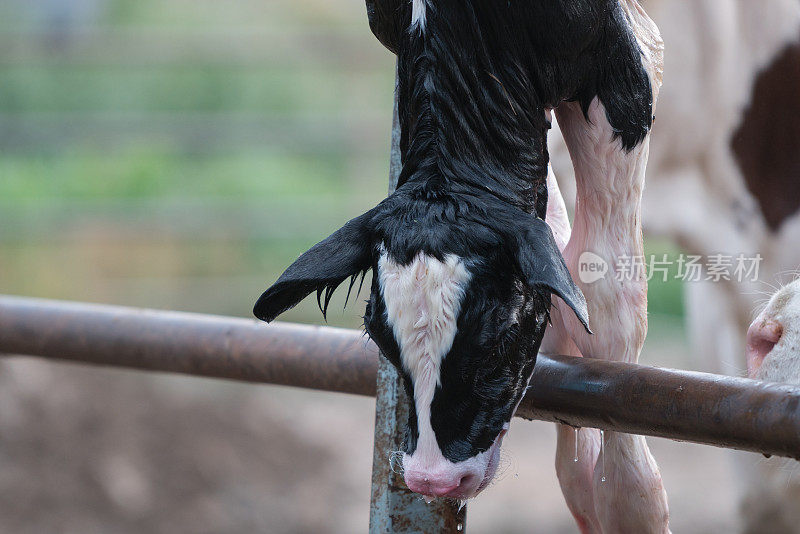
(344,254)
(543,265)
(386,20)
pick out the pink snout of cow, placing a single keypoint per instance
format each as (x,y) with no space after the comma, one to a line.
(438,477)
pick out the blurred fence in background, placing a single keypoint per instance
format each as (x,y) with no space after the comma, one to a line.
(178,153)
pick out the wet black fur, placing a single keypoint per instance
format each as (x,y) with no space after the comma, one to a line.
(473,90)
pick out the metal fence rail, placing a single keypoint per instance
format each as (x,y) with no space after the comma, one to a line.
(688,406)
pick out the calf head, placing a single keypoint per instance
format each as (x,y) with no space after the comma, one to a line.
(459,302)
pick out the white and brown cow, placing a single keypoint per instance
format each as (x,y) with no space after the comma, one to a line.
(772,501)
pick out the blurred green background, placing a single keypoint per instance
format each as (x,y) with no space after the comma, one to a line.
(179,154)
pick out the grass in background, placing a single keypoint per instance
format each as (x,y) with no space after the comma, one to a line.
(142,173)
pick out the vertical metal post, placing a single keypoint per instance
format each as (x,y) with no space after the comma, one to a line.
(394,508)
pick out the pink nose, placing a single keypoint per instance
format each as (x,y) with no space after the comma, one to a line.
(436,486)
(762,336)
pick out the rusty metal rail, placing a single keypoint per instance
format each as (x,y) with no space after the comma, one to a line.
(703,408)
(330,359)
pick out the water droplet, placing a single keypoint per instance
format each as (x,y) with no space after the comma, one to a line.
(576,445)
(461,505)
(603,454)
(428,499)
(460,527)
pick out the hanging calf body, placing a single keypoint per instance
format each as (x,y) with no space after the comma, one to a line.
(464,265)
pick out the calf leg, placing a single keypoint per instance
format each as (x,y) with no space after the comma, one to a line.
(627,489)
(574,461)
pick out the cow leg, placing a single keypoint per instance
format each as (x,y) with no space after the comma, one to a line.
(574,465)
(627,489)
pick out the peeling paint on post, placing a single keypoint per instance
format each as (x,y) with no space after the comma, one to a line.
(395,508)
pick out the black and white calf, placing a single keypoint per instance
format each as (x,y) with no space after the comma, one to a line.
(463,262)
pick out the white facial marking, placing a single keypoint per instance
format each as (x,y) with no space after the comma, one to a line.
(418,13)
(423,300)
